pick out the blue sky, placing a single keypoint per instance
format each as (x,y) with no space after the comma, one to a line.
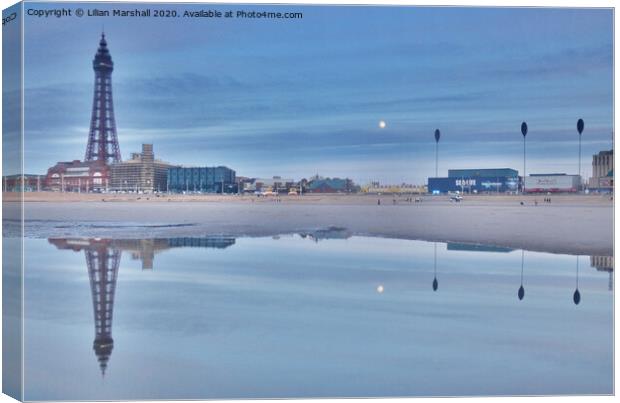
(300,97)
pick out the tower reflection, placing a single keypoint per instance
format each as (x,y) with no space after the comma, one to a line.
(103,257)
(102,263)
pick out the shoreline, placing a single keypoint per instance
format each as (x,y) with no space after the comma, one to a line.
(571,224)
(310,198)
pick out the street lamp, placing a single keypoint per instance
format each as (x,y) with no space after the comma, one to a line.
(580,125)
(524,132)
(437,136)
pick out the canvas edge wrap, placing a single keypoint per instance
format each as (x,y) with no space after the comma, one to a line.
(12,205)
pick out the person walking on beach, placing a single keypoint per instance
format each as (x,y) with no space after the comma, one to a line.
(378,202)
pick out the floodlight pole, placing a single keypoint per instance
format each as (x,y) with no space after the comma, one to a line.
(580,126)
(524,133)
(437,136)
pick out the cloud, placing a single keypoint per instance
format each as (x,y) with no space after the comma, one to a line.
(569,61)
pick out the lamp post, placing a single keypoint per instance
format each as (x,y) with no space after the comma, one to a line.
(524,132)
(580,126)
(437,136)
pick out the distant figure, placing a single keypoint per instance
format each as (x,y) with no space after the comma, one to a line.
(522,203)
(394,201)
(378,202)
(535,202)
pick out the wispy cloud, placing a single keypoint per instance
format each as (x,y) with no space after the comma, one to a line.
(277,98)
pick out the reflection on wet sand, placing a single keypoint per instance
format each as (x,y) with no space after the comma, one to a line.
(604,263)
(103,258)
(521,292)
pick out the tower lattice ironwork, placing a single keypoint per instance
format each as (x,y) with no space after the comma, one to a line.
(103,262)
(102,140)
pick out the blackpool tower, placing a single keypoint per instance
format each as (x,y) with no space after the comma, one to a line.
(102,141)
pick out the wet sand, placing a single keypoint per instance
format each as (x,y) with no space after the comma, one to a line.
(570,224)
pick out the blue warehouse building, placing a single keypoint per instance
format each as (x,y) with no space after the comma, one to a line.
(476,181)
(204,179)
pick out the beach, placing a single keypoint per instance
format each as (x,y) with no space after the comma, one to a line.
(570,224)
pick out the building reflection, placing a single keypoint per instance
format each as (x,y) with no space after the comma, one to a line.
(457,246)
(146,249)
(329,233)
(103,257)
(604,263)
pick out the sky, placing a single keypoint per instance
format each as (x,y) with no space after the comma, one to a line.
(298,97)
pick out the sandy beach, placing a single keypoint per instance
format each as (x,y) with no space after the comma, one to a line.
(570,224)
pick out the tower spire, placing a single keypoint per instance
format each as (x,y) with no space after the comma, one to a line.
(102,139)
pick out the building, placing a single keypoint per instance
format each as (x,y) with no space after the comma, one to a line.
(23,183)
(602,179)
(78,176)
(403,188)
(552,183)
(142,173)
(497,180)
(331,185)
(275,184)
(203,179)
(93,174)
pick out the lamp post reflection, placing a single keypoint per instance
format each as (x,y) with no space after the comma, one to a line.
(577,294)
(435,282)
(521,292)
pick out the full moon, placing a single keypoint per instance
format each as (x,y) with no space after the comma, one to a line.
(380,289)
(382,124)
